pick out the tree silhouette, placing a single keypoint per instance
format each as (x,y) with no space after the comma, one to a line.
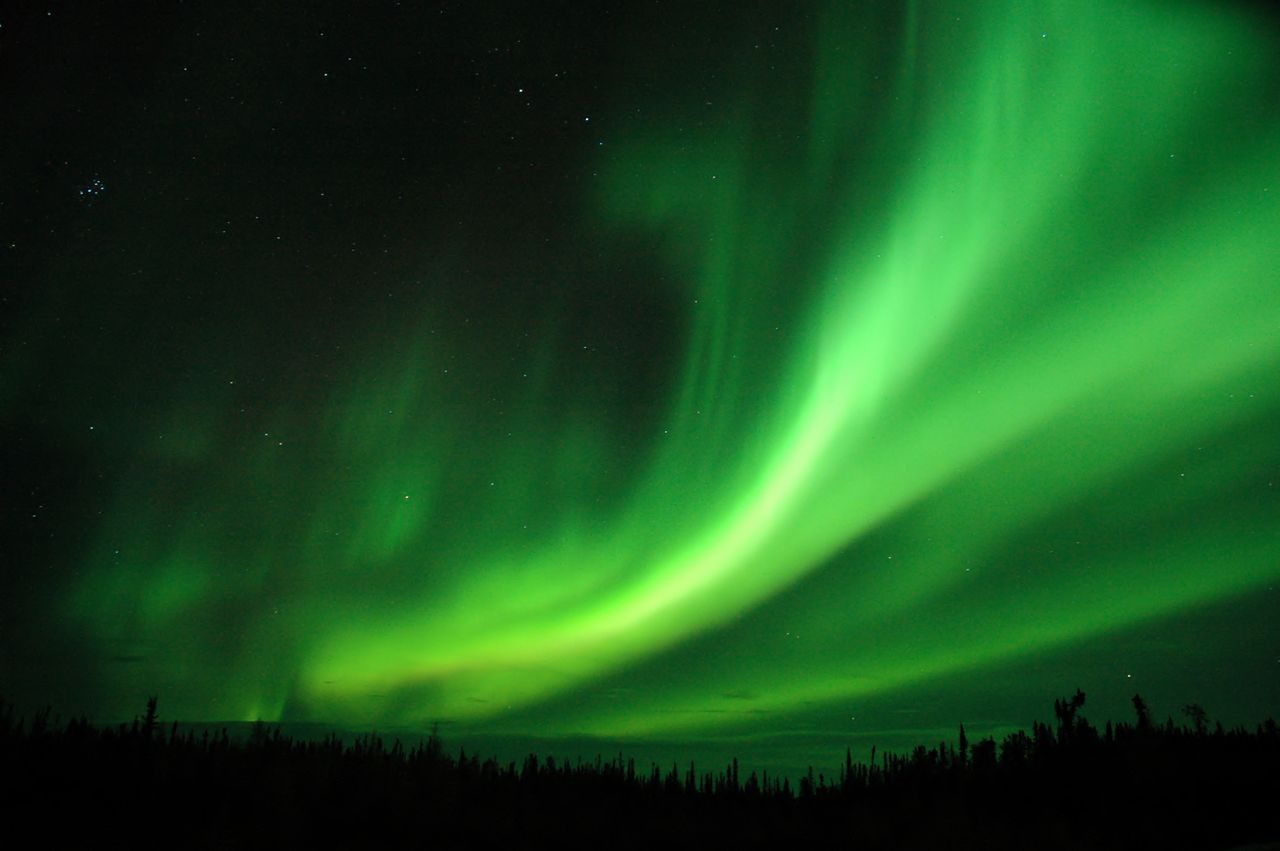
(1199,718)
(1066,713)
(150,720)
(1144,714)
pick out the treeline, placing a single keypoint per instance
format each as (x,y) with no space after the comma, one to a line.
(1140,784)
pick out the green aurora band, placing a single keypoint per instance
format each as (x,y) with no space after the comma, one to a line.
(980,276)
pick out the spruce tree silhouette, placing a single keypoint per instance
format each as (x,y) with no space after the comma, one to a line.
(1199,718)
(150,720)
(1144,714)
(1066,712)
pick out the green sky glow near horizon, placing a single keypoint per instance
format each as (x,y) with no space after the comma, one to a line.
(967,330)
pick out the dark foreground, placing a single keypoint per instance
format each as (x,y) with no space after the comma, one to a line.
(1141,785)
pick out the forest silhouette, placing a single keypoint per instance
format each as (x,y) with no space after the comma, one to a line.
(1130,785)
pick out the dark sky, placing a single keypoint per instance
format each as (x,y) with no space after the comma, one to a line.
(784,375)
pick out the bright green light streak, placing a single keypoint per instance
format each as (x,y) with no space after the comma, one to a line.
(991,277)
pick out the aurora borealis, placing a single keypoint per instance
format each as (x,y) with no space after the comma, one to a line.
(654,370)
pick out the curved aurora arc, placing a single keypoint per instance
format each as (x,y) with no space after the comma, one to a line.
(998,267)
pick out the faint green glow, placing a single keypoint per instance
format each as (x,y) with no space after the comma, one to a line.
(1025,273)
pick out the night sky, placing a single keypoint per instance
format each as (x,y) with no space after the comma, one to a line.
(749,376)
